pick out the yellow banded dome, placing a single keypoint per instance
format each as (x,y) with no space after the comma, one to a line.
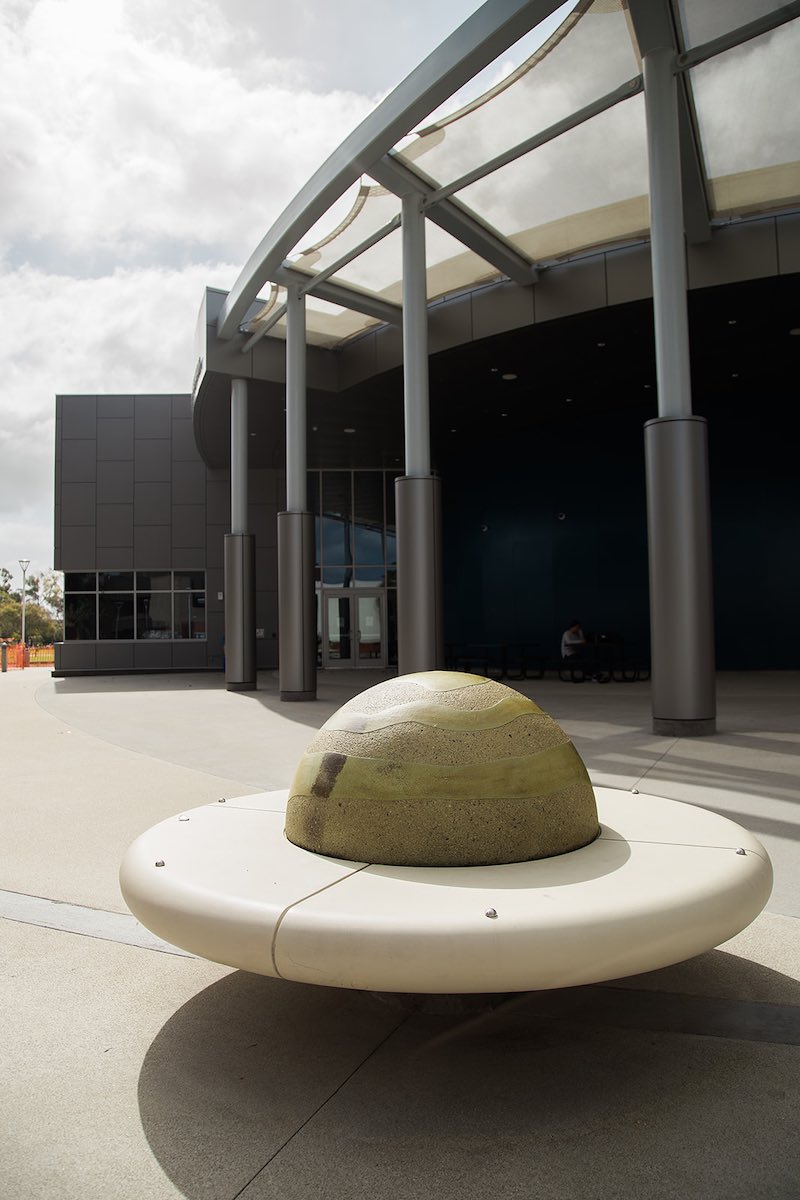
(441,768)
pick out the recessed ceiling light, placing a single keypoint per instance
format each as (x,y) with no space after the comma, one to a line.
(648,386)
(252,435)
(494,370)
(454,431)
(568,399)
(734,374)
(503,414)
(794,332)
(314,428)
(348,429)
(601,344)
(509,375)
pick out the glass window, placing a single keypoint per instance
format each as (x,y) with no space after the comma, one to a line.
(391,536)
(336,512)
(313,507)
(154,581)
(153,615)
(80,581)
(190,615)
(115,581)
(337,576)
(190,581)
(115,616)
(368,516)
(103,605)
(80,618)
(369,576)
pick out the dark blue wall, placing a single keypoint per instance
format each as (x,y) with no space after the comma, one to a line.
(516,572)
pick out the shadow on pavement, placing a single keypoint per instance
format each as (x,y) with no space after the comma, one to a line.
(291,1091)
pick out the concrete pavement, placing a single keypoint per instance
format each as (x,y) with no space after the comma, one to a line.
(133,1071)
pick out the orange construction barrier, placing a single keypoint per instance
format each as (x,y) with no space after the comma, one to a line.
(18,657)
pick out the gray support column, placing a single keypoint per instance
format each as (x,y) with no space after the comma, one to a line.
(240,582)
(297,617)
(681,595)
(676,450)
(417,493)
(420,641)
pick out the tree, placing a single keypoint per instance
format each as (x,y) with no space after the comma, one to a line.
(10,615)
(32,587)
(53,592)
(6,579)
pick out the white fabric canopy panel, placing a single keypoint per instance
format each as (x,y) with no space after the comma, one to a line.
(587,187)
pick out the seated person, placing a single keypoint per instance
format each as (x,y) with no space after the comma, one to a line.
(573,642)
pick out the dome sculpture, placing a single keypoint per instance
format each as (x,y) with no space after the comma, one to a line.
(441,835)
(441,769)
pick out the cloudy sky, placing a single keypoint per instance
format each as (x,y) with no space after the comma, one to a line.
(145,148)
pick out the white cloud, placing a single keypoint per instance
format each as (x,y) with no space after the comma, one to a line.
(145,150)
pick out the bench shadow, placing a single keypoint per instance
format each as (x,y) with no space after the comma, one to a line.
(631,1088)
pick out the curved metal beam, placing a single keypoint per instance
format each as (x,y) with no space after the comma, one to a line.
(495,26)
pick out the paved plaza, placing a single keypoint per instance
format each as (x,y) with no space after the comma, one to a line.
(133,1070)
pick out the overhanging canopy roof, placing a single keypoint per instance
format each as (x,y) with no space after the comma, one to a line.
(549,162)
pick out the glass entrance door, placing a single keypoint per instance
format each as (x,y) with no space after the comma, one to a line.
(353,628)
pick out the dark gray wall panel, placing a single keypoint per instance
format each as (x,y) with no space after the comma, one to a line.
(388,348)
(183,444)
(629,274)
(115,656)
(188,525)
(115,439)
(152,460)
(499,307)
(78,502)
(153,416)
(115,525)
(189,654)
(78,547)
(788,229)
(218,502)
(449,323)
(115,483)
(114,558)
(151,504)
(114,406)
(262,486)
(78,460)
(75,656)
(152,547)
(357,361)
(263,523)
(215,590)
(181,407)
(79,417)
(267,617)
(573,288)
(188,558)
(738,252)
(215,545)
(152,656)
(188,482)
(266,568)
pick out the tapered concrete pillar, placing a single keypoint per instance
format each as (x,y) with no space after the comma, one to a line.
(420,639)
(681,586)
(297,612)
(297,645)
(420,644)
(676,450)
(240,576)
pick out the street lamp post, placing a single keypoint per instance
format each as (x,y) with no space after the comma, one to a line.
(24,564)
